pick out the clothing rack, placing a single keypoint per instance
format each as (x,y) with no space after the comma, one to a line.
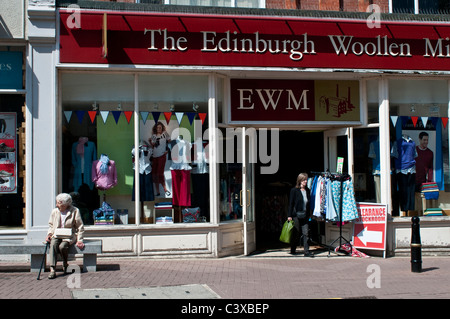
(341,178)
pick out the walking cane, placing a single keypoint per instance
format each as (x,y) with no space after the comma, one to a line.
(43,259)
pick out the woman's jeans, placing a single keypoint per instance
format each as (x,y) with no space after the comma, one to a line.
(295,239)
(58,246)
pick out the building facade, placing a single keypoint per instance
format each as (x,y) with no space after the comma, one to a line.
(246,99)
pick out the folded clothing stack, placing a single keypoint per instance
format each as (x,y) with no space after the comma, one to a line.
(430,190)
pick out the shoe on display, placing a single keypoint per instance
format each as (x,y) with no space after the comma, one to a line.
(5,173)
(6,149)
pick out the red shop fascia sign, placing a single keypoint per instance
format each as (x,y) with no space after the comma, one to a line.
(133,38)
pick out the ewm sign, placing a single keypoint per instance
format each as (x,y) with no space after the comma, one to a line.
(256,100)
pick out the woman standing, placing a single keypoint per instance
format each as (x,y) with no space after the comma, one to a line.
(299,212)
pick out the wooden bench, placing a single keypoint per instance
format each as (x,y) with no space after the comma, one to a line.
(36,250)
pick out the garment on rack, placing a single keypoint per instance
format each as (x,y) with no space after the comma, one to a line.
(349,210)
(327,198)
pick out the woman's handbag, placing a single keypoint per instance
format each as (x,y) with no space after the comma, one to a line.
(63,233)
(286,232)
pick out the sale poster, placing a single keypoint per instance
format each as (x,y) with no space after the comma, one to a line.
(8,153)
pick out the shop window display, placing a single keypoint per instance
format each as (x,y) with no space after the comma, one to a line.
(418,112)
(98,147)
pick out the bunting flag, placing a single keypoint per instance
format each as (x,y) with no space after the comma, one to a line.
(414,120)
(128,115)
(80,115)
(434,121)
(424,121)
(116,115)
(144,116)
(404,120)
(104,115)
(92,115)
(179,116)
(394,119)
(68,115)
(167,115)
(156,116)
(191,116)
(444,121)
(203,117)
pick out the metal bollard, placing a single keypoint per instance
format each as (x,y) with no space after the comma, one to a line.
(416,246)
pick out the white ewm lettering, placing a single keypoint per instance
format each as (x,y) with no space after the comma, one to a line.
(271,97)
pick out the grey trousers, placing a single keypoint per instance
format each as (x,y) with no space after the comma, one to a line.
(58,246)
(303,227)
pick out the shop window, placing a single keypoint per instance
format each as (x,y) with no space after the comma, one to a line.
(12,161)
(176,131)
(419,116)
(98,141)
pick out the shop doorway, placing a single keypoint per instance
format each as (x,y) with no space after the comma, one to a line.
(299,151)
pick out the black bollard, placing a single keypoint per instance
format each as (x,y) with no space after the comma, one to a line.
(416,246)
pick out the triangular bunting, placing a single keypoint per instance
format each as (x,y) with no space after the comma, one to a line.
(191,116)
(434,121)
(156,116)
(128,115)
(167,115)
(80,115)
(104,115)
(424,121)
(116,115)
(444,121)
(394,120)
(144,116)
(179,116)
(92,115)
(404,120)
(203,117)
(68,115)
(414,120)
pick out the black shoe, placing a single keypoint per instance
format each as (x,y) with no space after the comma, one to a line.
(309,254)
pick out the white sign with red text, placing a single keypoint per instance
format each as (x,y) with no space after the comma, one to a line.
(369,230)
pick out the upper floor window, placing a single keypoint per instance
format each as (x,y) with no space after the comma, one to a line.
(421,6)
(218,3)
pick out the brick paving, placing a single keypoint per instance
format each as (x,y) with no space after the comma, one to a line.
(264,276)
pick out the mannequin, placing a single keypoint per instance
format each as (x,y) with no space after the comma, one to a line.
(84,153)
(374,154)
(405,154)
(145,170)
(200,178)
(181,176)
(104,173)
